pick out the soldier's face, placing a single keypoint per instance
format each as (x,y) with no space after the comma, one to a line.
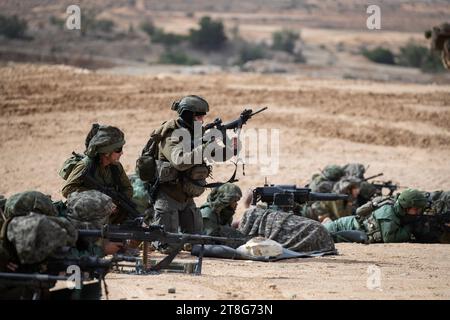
(199,118)
(111,158)
(355,192)
(413,211)
(233,205)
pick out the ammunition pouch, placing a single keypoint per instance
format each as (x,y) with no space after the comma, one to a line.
(365,210)
(146,168)
(373,230)
(194,180)
(166,172)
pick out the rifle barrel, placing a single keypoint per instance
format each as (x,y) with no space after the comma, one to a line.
(30,276)
(151,234)
(374,176)
(317,196)
(260,110)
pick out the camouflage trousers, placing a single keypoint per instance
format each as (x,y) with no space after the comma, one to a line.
(177,216)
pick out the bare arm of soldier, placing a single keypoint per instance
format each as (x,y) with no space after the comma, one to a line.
(75,182)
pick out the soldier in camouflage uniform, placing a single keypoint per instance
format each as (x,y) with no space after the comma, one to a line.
(332,210)
(31,232)
(388,223)
(180,178)
(325,181)
(218,211)
(89,210)
(440,42)
(279,223)
(103,150)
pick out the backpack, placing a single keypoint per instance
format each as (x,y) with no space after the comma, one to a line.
(146,167)
(69,164)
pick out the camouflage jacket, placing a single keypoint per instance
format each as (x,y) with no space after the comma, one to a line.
(213,223)
(171,150)
(386,221)
(102,175)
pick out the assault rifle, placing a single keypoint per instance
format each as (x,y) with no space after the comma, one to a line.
(301,195)
(36,286)
(380,185)
(234,124)
(134,230)
(120,200)
(431,228)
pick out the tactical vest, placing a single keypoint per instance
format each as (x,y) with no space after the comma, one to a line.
(151,168)
(367,209)
(366,219)
(372,229)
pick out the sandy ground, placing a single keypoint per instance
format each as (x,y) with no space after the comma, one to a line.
(402,130)
(407,271)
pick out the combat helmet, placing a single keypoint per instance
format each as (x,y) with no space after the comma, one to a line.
(333,172)
(197,105)
(105,140)
(412,198)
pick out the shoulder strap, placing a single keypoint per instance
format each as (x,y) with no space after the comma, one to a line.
(116,177)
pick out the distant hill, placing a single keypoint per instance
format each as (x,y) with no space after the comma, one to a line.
(399,15)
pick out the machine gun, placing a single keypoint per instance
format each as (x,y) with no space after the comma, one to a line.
(35,285)
(29,284)
(301,195)
(134,230)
